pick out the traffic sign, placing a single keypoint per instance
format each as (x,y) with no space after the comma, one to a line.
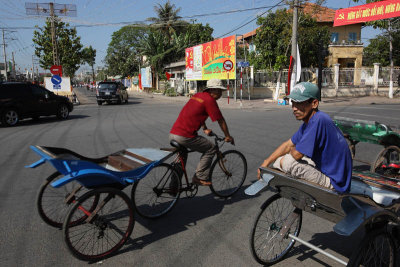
(56,79)
(56,70)
(243,64)
(228,65)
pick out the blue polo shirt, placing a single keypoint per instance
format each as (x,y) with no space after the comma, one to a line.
(323,142)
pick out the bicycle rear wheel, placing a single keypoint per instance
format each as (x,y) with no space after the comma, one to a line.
(157,193)
(228,173)
(376,249)
(93,235)
(265,244)
(53,203)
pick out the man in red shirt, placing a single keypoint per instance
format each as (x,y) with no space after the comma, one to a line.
(191,118)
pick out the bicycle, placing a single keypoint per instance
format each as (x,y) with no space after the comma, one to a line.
(156,195)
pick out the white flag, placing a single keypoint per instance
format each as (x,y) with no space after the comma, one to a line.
(298,65)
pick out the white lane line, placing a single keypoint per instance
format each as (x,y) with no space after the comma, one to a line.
(359,114)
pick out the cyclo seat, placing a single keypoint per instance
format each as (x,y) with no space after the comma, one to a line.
(179,146)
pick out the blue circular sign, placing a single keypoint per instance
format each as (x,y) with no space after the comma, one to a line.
(56,79)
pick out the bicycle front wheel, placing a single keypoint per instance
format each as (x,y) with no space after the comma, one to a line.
(228,173)
(156,194)
(93,235)
(54,203)
(266,246)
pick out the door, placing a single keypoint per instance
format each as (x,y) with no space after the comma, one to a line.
(46,102)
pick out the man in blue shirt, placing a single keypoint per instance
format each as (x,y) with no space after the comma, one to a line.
(317,152)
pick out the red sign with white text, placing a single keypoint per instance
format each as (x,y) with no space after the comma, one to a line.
(56,70)
(369,12)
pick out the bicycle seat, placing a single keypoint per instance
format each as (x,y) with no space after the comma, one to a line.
(179,146)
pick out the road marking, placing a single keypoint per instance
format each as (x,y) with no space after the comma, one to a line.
(359,114)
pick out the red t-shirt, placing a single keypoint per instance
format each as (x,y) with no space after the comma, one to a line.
(195,113)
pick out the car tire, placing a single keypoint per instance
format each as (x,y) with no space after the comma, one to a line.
(62,112)
(10,117)
(99,103)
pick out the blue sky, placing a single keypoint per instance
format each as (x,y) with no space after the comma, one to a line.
(91,12)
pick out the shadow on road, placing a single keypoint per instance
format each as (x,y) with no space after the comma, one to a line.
(44,120)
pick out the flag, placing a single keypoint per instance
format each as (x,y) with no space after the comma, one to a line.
(140,81)
(168,75)
(298,65)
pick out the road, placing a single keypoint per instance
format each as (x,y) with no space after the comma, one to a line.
(202,231)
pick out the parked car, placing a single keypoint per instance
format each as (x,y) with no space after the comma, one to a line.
(25,100)
(111,92)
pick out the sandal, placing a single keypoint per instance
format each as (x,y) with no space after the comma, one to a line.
(198,181)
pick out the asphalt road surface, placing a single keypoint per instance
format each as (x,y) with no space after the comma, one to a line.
(202,231)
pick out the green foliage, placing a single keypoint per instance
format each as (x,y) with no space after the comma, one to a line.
(273,40)
(68,46)
(123,56)
(377,51)
(89,57)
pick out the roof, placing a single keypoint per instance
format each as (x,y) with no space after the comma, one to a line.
(319,13)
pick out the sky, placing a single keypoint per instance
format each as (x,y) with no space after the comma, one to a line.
(110,13)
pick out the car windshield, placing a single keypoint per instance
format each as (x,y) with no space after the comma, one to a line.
(111,86)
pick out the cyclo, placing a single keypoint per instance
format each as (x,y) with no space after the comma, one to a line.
(84,196)
(373,203)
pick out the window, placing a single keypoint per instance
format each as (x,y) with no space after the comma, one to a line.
(334,37)
(352,36)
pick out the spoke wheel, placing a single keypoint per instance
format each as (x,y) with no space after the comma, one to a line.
(53,203)
(100,235)
(10,117)
(156,194)
(228,173)
(376,249)
(62,112)
(265,245)
(388,155)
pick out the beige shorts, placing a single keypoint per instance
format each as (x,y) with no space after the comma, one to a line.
(303,169)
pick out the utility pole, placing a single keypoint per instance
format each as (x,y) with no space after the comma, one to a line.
(294,43)
(53,34)
(5,56)
(13,67)
(33,69)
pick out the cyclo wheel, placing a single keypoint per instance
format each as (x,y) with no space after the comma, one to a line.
(156,194)
(265,245)
(228,173)
(54,203)
(377,248)
(388,155)
(102,231)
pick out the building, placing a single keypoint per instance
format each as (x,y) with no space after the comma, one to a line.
(345,48)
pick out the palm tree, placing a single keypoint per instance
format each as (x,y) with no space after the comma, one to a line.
(167,19)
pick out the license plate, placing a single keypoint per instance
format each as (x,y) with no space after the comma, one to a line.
(107,93)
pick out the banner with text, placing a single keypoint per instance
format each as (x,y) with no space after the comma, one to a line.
(205,61)
(369,12)
(146,77)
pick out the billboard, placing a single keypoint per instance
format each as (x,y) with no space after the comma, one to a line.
(205,61)
(146,77)
(369,12)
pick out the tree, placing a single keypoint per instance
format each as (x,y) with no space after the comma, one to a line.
(274,37)
(167,19)
(377,50)
(68,46)
(123,57)
(89,57)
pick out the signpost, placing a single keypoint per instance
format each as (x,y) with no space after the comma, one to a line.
(56,70)
(56,81)
(228,65)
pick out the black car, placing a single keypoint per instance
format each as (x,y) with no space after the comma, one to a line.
(25,100)
(111,92)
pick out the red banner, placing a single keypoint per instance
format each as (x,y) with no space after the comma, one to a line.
(369,12)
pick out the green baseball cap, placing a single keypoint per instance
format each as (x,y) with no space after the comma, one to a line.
(303,91)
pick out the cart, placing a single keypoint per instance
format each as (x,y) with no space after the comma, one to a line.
(85,198)
(373,203)
(387,161)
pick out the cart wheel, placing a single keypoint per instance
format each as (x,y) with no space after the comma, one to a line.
(265,245)
(54,203)
(93,235)
(156,194)
(388,155)
(228,173)
(376,249)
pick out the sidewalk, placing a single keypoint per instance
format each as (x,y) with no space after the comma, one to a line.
(271,104)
